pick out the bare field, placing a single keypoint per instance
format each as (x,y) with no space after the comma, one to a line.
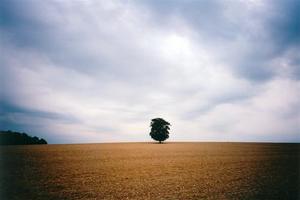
(151,171)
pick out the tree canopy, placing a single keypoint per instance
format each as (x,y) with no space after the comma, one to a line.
(16,138)
(159,129)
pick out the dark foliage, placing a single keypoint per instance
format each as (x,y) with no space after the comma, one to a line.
(16,138)
(159,129)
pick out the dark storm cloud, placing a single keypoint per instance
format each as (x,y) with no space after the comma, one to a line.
(267,32)
(284,26)
(8,108)
(24,25)
(33,121)
(282,29)
(20,25)
(106,67)
(30,24)
(16,117)
(205,16)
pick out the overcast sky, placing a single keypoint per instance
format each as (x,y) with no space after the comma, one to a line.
(99,71)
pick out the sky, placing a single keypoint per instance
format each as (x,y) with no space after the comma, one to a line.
(98,71)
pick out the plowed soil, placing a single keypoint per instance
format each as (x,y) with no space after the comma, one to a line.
(151,171)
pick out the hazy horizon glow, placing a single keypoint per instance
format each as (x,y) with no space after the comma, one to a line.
(99,71)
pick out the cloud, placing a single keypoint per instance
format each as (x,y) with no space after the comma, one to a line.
(245,35)
(90,71)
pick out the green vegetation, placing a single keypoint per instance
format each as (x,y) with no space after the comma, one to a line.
(159,129)
(16,138)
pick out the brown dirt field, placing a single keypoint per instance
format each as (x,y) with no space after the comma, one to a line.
(151,171)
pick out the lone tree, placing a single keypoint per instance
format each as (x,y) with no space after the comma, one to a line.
(159,129)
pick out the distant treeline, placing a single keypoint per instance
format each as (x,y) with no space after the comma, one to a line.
(16,138)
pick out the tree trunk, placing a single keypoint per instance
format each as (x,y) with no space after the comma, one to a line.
(159,142)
